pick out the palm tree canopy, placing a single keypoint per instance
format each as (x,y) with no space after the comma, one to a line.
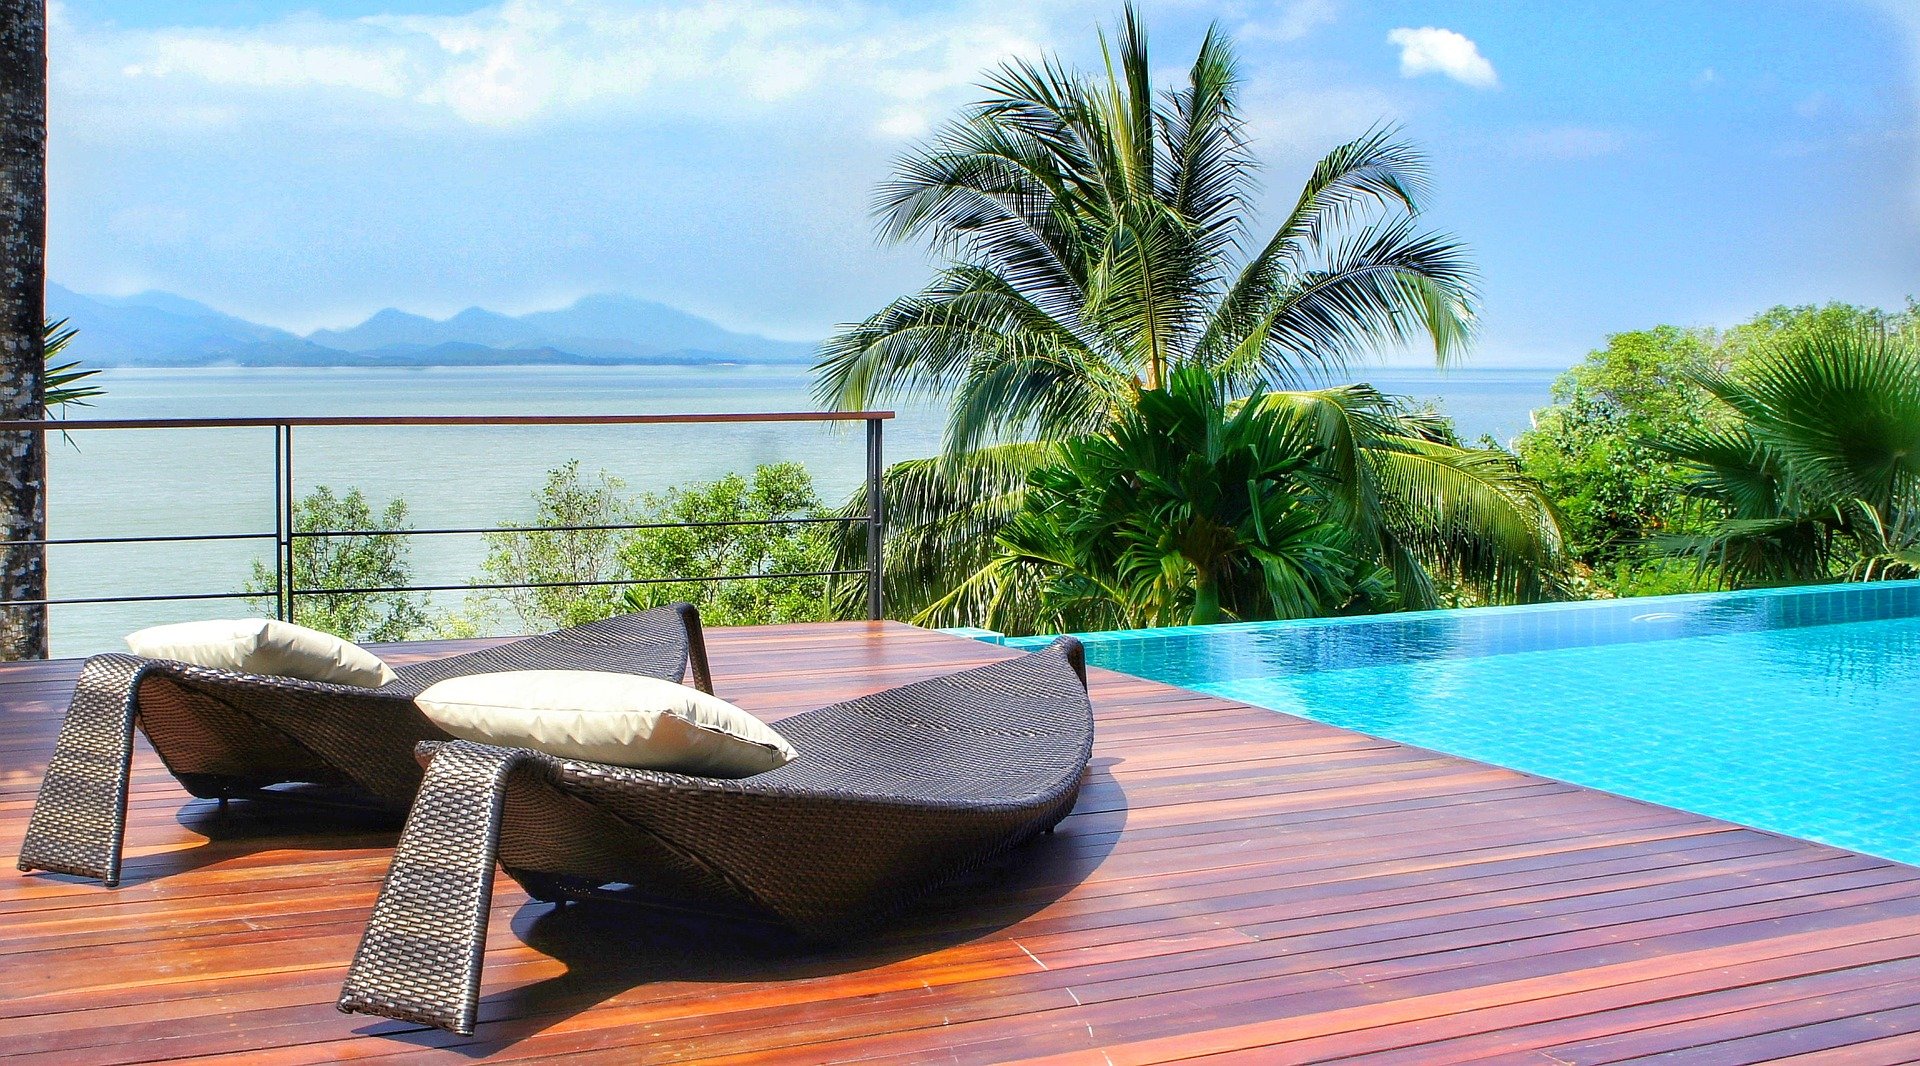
(1097,242)
(1096,233)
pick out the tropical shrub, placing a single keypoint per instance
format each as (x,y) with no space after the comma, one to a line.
(1183,512)
(1194,508)
(714,532)
(588,571)
(370,553)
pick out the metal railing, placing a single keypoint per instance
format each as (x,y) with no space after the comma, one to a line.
(285,535)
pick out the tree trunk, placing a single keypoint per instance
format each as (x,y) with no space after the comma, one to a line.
(23,240)
(1206,600)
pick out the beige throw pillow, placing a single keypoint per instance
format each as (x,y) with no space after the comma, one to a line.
(620,719)
(264,646)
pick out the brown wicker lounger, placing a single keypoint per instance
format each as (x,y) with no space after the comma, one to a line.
(225,734)
(891,794)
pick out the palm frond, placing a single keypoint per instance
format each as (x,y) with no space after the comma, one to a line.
(63,382)
(1473,516)
(927,343)
(1209,173)
(1385,285)
(942,518)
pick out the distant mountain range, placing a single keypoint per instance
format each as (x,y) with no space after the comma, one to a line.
(159,329)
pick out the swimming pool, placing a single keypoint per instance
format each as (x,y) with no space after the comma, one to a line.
(1794,710)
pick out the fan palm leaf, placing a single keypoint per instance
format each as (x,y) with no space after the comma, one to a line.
(1817,472)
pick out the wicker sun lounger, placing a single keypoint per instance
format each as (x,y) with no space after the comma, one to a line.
(890,795)
(225,734)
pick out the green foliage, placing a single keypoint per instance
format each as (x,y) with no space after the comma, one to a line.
(1815,470)
(1590,451)
(707,548)
(1097,240)
(1779,328)
(1182,513)
(571,546)
(65,383)
(1193,508)
(1435,515)
(371,554)
(1596,449)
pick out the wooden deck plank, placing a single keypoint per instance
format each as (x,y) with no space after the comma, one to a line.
(1235,885)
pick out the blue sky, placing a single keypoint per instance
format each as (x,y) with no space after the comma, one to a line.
(1612,164)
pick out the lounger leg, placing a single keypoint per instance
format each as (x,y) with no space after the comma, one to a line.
(420,957)
(80,818)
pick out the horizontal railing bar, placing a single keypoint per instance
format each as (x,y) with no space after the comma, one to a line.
(574,529)
(174,539)
(62,424)
(425,588)
(572,584)
(140,599)
(196,537)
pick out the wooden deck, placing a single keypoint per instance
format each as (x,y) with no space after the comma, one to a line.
(1235,886)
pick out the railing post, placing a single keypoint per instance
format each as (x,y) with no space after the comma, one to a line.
(283,496)
(876,524)
(279,533)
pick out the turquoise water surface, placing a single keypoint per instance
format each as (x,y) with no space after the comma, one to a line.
(1795,711)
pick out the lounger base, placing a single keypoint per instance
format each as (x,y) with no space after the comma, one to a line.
(80,816)
(420,958)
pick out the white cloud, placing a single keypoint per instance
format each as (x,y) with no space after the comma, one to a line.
(524,61)
(1289,21)
(1706,79)
(1569,143)
(1431,50)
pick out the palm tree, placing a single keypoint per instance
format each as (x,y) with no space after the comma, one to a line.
(1097,237)
(23,238)
(1816,470)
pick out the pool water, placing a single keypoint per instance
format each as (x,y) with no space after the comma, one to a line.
(1796,711)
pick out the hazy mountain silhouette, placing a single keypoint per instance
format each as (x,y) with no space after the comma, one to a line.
(162,329)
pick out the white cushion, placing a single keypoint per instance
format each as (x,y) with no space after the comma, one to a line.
(621,719)
(264,646)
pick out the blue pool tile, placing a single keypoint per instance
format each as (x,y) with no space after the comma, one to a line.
(1791,710)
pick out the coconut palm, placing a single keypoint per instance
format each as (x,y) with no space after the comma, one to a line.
(1816,471)
(1097,237)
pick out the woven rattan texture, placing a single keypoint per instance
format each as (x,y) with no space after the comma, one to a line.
(223,733)
(892,795)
